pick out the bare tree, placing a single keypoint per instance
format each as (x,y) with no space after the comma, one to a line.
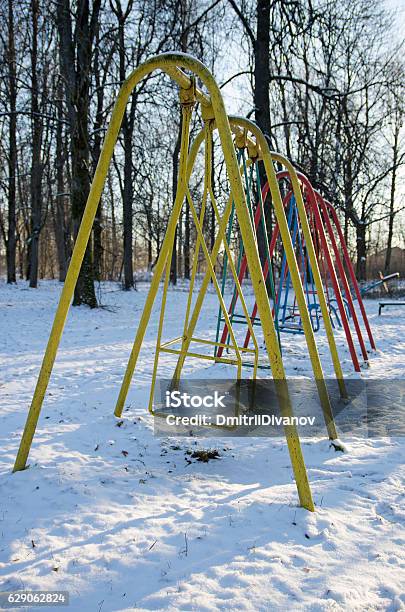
(398,157)
(76,46)
(60,229)
(36,162)
(12,153)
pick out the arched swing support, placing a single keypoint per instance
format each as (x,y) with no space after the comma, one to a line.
(268,159)
(313,209)
(214,111)
(191,316)
(242,127)
(323,215)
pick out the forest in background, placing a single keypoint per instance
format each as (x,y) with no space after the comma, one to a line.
(322,79)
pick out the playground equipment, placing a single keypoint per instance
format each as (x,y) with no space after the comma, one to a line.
(383,280)
(331,217)
(295,277)
(382,305)
(249,138)
(319,214)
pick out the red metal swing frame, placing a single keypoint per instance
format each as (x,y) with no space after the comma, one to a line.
(321,215)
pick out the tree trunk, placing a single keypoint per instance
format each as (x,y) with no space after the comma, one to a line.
(184,15)
(36,165)
(361,243)
(262,67)
(98,224)
(175,157)
(212,222)
(77,95)
(59,216)
(262,104)
(127,207)
(84,290)
(212,228)
(187,242)
(128,195)
(12,162)
(114,241)
(392,200)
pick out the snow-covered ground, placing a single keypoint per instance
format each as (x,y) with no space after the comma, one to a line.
(126,521)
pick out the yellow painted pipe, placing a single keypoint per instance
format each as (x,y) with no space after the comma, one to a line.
(169,62)
(315,269)
(267,157)
(186,111)
(206,132)
(257,282)
(237,124)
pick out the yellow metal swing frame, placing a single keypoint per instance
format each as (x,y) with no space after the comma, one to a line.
(214,114)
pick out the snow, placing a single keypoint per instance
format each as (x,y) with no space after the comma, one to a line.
(127,521)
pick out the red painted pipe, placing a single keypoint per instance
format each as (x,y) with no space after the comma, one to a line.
(342,273)
(316,203)
(350,268)
(324,249)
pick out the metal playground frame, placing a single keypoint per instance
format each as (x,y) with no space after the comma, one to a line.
(250,141)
